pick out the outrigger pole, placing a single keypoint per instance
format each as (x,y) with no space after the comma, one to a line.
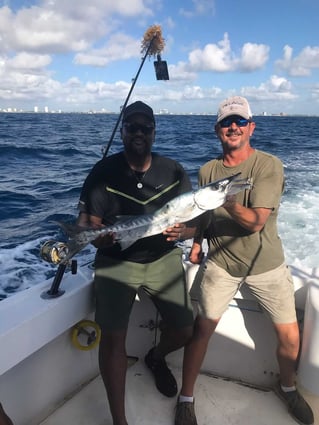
(152,44)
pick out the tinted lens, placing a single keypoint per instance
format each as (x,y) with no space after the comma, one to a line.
(239,121)
(135,127)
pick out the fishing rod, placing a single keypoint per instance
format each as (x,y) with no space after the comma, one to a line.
(152,44)
(54,252)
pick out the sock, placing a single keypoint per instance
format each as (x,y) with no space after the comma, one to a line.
(288,389)
(184,399)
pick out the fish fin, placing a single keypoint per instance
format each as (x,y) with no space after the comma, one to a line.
(73,248)
(73,245)
(70,229)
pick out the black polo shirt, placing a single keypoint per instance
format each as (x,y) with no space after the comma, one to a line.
(113,189)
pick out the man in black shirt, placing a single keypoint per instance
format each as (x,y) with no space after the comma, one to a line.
(132,182)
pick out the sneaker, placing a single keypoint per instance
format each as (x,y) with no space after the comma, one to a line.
(297,406)
(164,379)
(185,413)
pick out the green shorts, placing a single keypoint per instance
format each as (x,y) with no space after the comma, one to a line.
(116,284)
(214,289)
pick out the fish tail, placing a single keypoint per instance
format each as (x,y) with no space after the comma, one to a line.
(73,247)
(70,229)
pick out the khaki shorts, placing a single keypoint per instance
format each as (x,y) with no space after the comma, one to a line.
(214,289)
(116,284)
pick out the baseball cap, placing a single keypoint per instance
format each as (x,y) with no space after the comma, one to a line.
(235,105)
(138,108)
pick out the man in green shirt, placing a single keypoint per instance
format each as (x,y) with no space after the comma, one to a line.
(244,247)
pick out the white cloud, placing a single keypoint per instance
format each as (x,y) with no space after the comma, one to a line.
(24,76)
(200,7)
(64,26)
(276,88)
(181,72)
(30,36)
(213,57)
(301,65)
(119,47)
(28,62)
(253,56)
(220,58)
(315,93)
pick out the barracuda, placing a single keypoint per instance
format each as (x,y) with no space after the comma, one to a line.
(181,209)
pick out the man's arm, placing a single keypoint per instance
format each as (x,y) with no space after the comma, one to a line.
(252,219)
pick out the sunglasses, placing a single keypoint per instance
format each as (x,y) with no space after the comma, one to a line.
(135,127)
(239,121)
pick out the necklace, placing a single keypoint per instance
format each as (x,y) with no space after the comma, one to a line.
(139,176)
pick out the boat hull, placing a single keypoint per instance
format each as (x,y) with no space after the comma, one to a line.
(40,367)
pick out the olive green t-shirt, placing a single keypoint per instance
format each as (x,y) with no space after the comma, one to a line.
(237,250)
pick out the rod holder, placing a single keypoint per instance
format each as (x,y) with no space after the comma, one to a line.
(55,291)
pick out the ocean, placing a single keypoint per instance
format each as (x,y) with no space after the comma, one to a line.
(45,158)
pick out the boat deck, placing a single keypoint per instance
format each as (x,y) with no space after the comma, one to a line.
(218,401)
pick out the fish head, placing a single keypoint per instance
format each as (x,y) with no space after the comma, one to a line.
(213,195)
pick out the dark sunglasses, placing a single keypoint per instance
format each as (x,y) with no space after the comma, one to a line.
(239,121)
(135,127)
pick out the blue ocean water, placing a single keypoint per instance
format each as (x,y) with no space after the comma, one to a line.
(45,158)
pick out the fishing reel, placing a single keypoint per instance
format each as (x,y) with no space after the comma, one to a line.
(54,252)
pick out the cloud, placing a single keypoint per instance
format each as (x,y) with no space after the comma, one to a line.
(64,26)
(220,58)
(31,37)
(303,64)
(180,72)
(253,56)
(276,88)
(315,93)
(118,47)
(201,7)
(25,62)
(24,76)
(213,57)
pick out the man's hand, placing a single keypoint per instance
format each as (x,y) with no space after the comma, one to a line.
(196,254)
(179,232)
(104,241)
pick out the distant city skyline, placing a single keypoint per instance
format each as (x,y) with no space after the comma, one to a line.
(46,110)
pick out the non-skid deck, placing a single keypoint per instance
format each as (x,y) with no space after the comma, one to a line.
(218,402)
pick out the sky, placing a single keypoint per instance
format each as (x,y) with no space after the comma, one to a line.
(80,56)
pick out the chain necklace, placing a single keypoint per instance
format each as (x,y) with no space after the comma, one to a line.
(139,176)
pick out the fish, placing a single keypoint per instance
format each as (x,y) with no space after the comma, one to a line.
(181,209)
